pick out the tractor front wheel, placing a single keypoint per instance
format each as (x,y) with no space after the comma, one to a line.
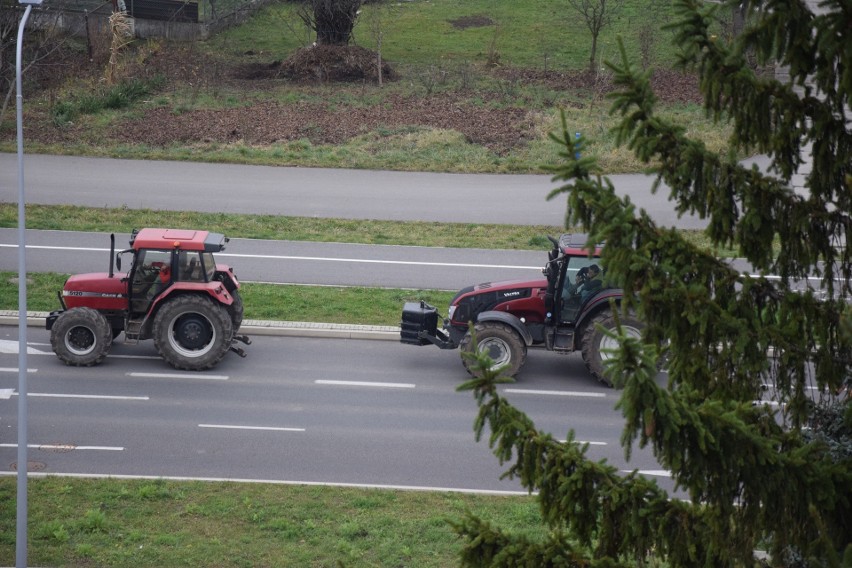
(597,344)
(81,337)
(192,332)
(500,342)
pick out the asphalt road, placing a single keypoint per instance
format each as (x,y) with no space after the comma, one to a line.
(291,262)
(326,411)
(275,415)
(309,192)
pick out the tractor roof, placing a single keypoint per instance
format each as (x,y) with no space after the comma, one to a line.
(183,239)
(577,244)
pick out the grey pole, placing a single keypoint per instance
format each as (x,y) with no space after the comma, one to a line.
(21,527)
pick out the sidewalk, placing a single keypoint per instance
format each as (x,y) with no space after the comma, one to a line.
(262,327)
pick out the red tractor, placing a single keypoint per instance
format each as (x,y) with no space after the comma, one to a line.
(564,312)
(174,293)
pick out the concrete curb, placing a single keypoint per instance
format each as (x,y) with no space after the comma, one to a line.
(263,327)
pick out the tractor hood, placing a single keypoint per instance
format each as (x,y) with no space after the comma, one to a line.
(511,285)
(95,290)
(523,298)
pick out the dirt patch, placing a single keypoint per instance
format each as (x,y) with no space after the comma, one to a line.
(471,22)
(322,64)
(485,120)
(499,129)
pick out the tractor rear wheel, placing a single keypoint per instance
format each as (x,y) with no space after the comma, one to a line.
(596,343)
(81,337)
(500,342)
(192,332)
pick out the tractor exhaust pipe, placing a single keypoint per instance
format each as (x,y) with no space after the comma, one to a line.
(111,253)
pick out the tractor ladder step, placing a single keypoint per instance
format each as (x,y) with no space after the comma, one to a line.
(132,332)
(563,341)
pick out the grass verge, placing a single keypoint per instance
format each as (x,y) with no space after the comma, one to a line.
(327,304)
(141,523)
(425,234)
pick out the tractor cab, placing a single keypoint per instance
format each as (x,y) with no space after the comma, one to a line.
(188,259)
(574,278)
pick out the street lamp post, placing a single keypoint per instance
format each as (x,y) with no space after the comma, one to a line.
(21,528)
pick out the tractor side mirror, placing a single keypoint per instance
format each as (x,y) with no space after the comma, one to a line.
(118,258)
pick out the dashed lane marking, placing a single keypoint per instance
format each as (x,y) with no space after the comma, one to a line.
(366,384)
(179,376)
(88,396)
(235,427)
(65,447)
(556,393)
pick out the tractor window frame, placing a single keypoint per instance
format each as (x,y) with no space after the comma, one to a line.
(146,279)
(209,265)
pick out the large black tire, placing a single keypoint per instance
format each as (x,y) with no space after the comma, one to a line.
(81,337)
(595,341)
(501,342)
(235,310)
(192,332)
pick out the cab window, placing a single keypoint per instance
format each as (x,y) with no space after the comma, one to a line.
(190,266)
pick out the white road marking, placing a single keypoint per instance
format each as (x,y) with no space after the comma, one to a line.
(67,447)
(374,261)
(556,393)
(91,396)
(10,347)
(234,427)
(586,442)
(179,376)
(313,258)
(15,370)
(656,472)
(6,394)
(366,384)
(45,247)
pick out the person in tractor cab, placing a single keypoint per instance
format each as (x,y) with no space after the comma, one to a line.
(593,283)
(573,288)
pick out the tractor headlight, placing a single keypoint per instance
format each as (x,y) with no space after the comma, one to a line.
(450,311)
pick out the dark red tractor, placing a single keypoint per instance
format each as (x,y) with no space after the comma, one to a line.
(566,311)
(174,293)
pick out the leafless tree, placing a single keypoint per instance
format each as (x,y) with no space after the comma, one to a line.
(597,14)
(378,19)
(40,42)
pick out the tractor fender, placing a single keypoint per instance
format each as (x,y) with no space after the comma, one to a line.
(596,305)
(510,320)
(214,289)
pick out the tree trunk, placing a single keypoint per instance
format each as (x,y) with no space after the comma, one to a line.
(594,53)
(334,20)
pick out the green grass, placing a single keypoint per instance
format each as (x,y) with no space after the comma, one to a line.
(453,235)
(327,304)
(114,97)
(147,523)
(532,34)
